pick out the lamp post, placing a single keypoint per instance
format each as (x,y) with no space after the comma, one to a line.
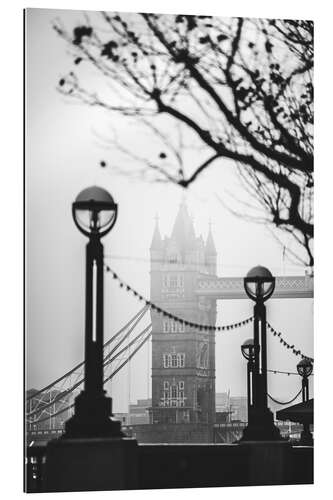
(248,351)
(95,213)
(304,369)
(259,286)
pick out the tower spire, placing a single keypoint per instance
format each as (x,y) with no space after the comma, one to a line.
(210,245)
(156,242)
(183,229)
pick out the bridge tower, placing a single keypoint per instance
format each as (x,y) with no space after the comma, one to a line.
(183,358)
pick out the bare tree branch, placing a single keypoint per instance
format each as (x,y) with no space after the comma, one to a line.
(242,87)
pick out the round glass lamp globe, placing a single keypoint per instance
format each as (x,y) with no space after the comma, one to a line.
(305,368)
(248,349)
(94,211)
(259,283)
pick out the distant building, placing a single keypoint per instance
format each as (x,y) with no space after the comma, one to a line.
(221,401)
(138,413)
(183,357)
(238,408)
(122,417)
(235,407)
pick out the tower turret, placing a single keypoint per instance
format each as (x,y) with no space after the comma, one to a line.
(156,242)
(183,229)
(156,259)
(210,252)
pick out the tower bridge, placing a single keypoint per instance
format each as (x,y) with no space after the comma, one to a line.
(184,282)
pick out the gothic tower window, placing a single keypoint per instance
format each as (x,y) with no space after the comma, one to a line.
(166,327)
(165,361)
(173,280)
(181,327)
(181,360)
(173,326)
(174,360)
(174,394)
(173,258)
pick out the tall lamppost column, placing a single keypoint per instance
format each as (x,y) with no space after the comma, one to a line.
(260,343)
(94,213)
(248,352)
(304,369)
(93,453)
(259,285)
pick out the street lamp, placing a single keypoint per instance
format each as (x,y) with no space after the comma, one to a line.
(259,286)
(304,369)
(248,351)
(95,213)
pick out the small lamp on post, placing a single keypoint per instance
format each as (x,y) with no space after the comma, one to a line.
(248,351)
(259,286)
(95,213)
(304,369)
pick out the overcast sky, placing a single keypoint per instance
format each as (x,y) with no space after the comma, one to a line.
(62,157)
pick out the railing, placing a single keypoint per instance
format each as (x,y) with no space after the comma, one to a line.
(37,433)
(230,425)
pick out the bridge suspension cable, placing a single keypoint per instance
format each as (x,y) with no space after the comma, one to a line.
(139,314)
(129,357)
(127,346)
(143,312)
(39,421)
(63,394)
(57,391)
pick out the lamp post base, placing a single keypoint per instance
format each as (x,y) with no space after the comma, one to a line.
(261,427)
(92,418)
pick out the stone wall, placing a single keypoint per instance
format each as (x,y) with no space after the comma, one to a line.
(156,465)
(202,466)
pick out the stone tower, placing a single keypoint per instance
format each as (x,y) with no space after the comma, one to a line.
(183,358)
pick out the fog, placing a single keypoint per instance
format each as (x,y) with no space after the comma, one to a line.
(62,157)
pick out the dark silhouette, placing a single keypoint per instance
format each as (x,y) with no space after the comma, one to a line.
(93,443)
(304,369)
(94,214)
(259,285)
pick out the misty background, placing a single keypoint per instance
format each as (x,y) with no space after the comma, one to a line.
(63,154)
